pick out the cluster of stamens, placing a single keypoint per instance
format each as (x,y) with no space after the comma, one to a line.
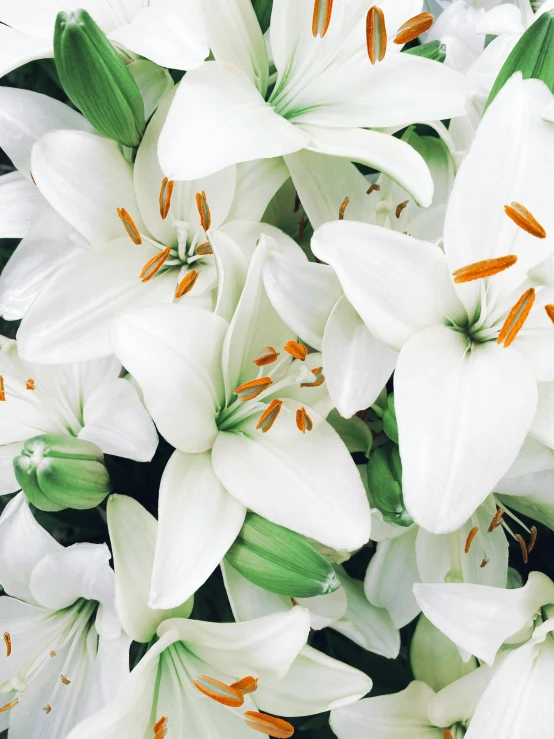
(498,520)
(233,697)
(29,385)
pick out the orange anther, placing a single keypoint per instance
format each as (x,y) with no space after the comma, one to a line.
(303,421)
(153,265)
(253,388)
(64,680)
(496,520)
(524,219)
(523,547)
(376,34)
(319,378)
(47,708)
(321,17)
(516,318)
(296,350)
(343,208)
(187,283)
(269,416)
(400,207)
(413,28)
(532,540)
(484,562)
(9,705)
(160,728)
(203,210)
(202,250)
(166,191)
(246,685)
(218,691)
(30,384)
(471,536)
(268,355)
(373,188)
(8,643)
(266,724)
(447,734)
(550,311)
(130,227)
(486,268)
(2,389)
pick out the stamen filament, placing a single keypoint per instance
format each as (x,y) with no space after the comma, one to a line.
(471,536)
(516,318)
(203,210)
(129,224)
(413,28)
(187,283)
(524,219)
(322,17)
(166,192)
(376,34)
(266,724)
(153,265)
(486,268)
(218,691)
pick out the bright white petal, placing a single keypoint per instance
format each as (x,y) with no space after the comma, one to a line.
(21,206)
(17,49)
(501,19)
(174,354)
(249,601)
(198,522)
(232,267)
(458,436)
(292,479)
(218,118)
(257,183)
(478,618)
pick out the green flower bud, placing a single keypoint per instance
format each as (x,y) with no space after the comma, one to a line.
(58,472)
(96,78)
(434,50)
(353,431)
(533,56)
(390,427)
(384,480)
(280,561)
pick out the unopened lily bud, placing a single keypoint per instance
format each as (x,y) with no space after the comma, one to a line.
(280,561)
(96,78)
(434,50)
(533,56)
(390,427)
(384,479)
(58,472)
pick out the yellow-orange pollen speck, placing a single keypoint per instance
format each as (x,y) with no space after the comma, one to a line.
(187,283)
(413,28)
(343,207)
(64,680)
(30,384)
(153,265)
(203,210)
(471,536)
(253,388)
(524,219)
(160,728)
(129,224)
(486,268)
(2,390)
(218,691)
(47,708)
(269,416)
(166,191)
(9,705)
(296,350)
(376,34)
(268,355)
(303,421)
(516,318)
(321,17)
(266,724)
(8,643)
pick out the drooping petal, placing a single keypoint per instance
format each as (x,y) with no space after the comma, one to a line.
(170,33)
(96,285)
(458,434)
(357,366)
(115,419)
(218,118)
(174,353)
(292,478)
(18,48)
(397,284)
(478,618)
(314,683)
(86,179)
(133,533)
(390,155)
(198,522)
(257,183)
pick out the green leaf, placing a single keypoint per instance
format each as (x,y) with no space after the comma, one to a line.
(96,78)
(533,56)
(280,561)
(434,50)
(263,9)
(390,427)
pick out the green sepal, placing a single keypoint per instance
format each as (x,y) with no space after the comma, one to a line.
(434,50)
(384,480)
(280,561)
(353,431)
(533,56)
(59,472)
(96,79)
(390,427)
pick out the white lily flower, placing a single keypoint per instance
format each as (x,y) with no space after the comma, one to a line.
(308,296)
(151,240)
(456,29)
(346,610)
(247,429)
(169,32)
(333,83)
(88,401)
(65,651)
(457,364)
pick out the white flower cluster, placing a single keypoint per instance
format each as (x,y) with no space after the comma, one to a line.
(318,260)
